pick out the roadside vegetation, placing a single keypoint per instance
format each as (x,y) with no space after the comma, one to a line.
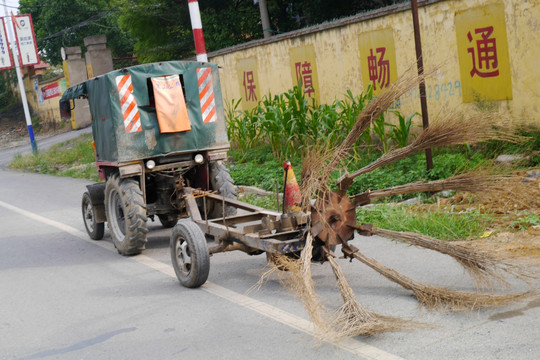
(283,126)
(73,158)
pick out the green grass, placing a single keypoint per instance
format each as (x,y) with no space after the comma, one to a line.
(265,201)
(438,224)
(73,158)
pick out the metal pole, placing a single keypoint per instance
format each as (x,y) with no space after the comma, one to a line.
(21,83)
(265,20)
(196,25)
(422,86)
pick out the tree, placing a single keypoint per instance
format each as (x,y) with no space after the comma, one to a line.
(158,30)
(163,28)
(64,23)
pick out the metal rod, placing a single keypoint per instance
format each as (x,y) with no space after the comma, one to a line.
(285,187)
(223,208)
(422,86)
(22,91)
(277,196)
(205,214)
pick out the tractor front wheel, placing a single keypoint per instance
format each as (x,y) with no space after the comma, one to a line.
(189,254)
(126,215)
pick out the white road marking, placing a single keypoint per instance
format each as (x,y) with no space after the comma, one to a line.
(351,345)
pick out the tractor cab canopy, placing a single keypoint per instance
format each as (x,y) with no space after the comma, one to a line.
(154,110)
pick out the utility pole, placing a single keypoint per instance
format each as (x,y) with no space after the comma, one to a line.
(422,85)
(21,83)
(265,20)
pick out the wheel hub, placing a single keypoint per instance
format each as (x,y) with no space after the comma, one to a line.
(334,218)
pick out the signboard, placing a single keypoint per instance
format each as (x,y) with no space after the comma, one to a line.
(50,91)
(483,53)
(26,39)
(378,59)
(6,61)
(304,69)
(249,82)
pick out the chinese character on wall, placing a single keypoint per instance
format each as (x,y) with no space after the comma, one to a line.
(248,82)
(304,70)
(483,53)
(304,75)
(379,68)
(378,59)
(249,86)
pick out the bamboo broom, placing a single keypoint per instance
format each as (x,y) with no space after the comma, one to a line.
(352,319)
(446,131)
(464,182)
(485,268)
(433,297)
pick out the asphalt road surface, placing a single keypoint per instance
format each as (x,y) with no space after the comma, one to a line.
(64,296)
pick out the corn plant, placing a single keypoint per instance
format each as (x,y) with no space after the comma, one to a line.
(379,127)
(400,134)
(243,127)
(291,121)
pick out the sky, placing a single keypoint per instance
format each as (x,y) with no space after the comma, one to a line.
(12,6)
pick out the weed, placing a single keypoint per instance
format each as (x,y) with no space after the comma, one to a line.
(525,222)
(266,201)
(438,224)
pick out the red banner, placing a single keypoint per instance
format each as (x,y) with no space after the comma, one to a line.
(51,91)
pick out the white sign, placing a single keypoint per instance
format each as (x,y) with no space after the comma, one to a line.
(5,54)
(26,39)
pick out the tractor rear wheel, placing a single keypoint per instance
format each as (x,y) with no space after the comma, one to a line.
(126,215)
(189,254)
(222,182)
(94,229)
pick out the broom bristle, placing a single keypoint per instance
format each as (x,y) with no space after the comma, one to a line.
(352,319)
(320,161)
(433,297)
(298,280)
(485,268)
(451,130)
(472,182)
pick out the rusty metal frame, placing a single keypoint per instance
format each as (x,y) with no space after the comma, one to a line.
(247,232)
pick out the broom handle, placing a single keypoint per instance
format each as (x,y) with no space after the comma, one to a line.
(395,155)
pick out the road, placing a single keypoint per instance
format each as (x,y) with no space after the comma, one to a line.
(64,296)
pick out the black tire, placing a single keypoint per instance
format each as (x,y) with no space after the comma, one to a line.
(166,221)
(94,229)
(126,215)
(189,254)
(222,182)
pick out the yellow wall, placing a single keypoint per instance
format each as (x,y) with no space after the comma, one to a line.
(338,56)
(49,110)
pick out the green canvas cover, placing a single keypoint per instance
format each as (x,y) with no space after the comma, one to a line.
(113,139)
